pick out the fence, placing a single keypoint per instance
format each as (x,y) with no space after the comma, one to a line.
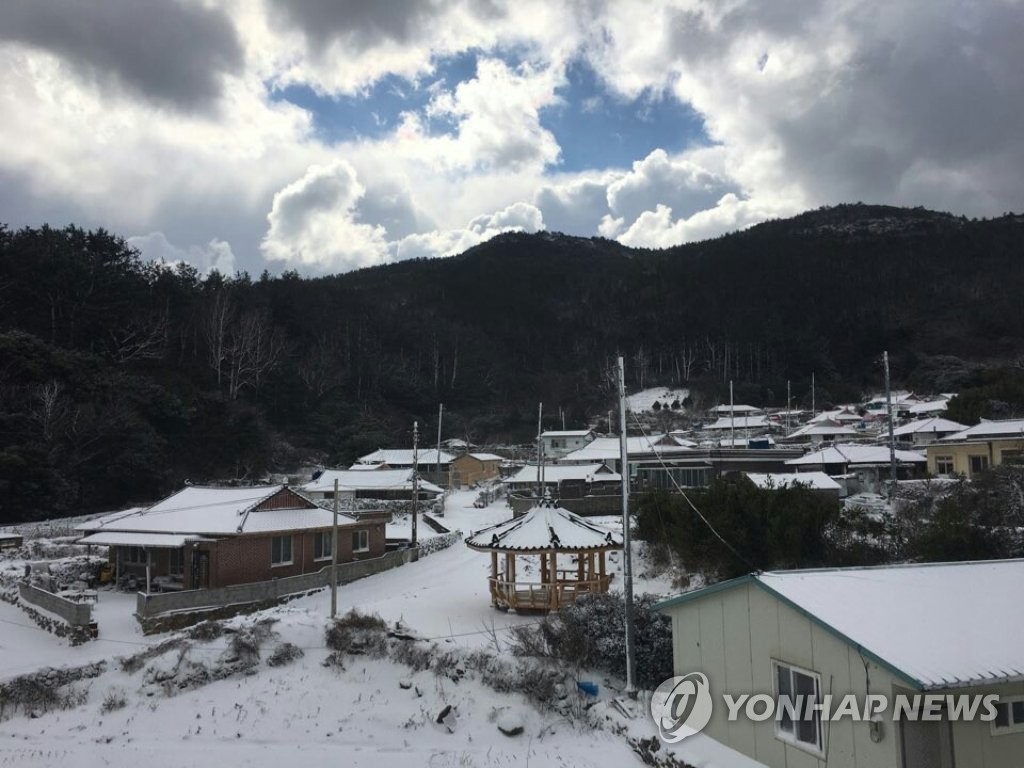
(148,605)
(75,614)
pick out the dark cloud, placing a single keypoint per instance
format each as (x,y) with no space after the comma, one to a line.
(168,52)
(361,24)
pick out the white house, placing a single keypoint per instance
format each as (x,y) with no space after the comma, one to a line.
(924,431)
(884,631)
(368,484)
(864,467)
(815,481)
(558,443)
(558,477)
(608,450)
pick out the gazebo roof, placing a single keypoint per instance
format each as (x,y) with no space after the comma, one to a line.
(545,527)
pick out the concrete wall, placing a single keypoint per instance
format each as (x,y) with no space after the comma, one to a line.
(75,614)
(152,604)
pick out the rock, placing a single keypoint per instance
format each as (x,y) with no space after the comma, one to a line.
(446,718)
(405,685)
(510,723)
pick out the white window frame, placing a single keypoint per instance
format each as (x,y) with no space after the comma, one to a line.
(291,551)
(324,540)
(359,537)
(1015,726)
(945,460)
(818,747)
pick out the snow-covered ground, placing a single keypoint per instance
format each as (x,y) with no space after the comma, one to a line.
(644,401)
(360,715)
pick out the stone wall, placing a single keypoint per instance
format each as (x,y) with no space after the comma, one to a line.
(74,619)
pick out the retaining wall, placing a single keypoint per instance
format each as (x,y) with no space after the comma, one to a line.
(75,614)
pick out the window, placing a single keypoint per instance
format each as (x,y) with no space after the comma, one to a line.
(322,542)
(978,464)
(1009,716)
(1012,456)
(796,691)
(360,541)
(281,550)
(944,465)
(176,562)
(134,556)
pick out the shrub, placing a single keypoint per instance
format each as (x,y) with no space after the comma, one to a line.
(114,700)
(285,653)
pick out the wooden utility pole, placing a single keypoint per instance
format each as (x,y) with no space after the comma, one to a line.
(437,465)
(415,477)
(892,437)
(540,451)
(627,558)
(334,555)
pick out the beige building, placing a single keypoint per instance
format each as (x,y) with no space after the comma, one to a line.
(975,449)
(911,630)
(471,468)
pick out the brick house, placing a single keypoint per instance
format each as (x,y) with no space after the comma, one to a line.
(216,537)
(470,468)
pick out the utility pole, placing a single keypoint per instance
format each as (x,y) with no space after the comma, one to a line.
(732,418)
(627,557)
(892,437)
(540,451)
(334,555)
(812,394)
(437,466)
(415,477)
(789,400)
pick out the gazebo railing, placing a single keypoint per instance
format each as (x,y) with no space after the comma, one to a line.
(544,596)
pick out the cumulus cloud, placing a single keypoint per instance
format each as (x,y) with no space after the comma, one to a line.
(174,53)
(312,222)
(215,255)
(519,217)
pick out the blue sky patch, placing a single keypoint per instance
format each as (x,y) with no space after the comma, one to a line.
(597,129)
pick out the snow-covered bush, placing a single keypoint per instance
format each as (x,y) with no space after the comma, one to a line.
(357,633)
(285,653)
(591,634)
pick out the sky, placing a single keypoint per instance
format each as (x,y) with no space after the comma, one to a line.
(324,136)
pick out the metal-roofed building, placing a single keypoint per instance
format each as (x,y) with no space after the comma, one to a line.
(907,629)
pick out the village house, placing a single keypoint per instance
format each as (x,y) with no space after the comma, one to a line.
(608,450)
(860,468)
(431,464)
(558,443)
(890,630)
(975,449)
(472,468)
(562,481)
(818,482)
(819,432)
(202,538)
(696,468)
(924,431)
(383,484)
(737,410)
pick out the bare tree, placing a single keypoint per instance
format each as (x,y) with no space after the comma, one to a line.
(141,339)
(219,315)
(252,349)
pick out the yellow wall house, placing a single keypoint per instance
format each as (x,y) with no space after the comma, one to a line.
(933,629)
(471,468)
(975,449)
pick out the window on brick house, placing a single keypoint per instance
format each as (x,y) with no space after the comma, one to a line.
(360,541)
(281,550)
(322,542)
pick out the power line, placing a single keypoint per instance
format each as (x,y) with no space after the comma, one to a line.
(682,493)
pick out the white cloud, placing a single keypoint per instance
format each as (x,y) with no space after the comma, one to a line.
(312,222)
(519,217)
(215,255)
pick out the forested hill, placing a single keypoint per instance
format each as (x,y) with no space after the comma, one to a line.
(120,379)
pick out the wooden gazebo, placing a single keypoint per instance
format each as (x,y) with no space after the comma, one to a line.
(546,531)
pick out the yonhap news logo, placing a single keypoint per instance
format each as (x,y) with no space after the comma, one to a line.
(682,706)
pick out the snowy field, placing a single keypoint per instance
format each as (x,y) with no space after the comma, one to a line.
(373,712)
(644,401)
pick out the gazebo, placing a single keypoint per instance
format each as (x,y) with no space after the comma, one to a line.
(546,531)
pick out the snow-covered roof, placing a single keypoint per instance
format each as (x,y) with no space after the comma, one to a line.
(1003,428)
(608,449)
(740,422)
(487,457)
(932,406)
(836,416)
(402,457)
(362,480)
(940,625)
(155,540)
(217,511)
(821,429)
(929,426)
(817,481)
(545,527)
(567,433)
(556,473)
(734,409)
(846,453)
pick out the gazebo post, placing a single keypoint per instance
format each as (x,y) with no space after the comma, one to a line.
(494,578)
(543,568)
(601,563)
(579,567)
(510,576)
(554,581)
(590,566)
